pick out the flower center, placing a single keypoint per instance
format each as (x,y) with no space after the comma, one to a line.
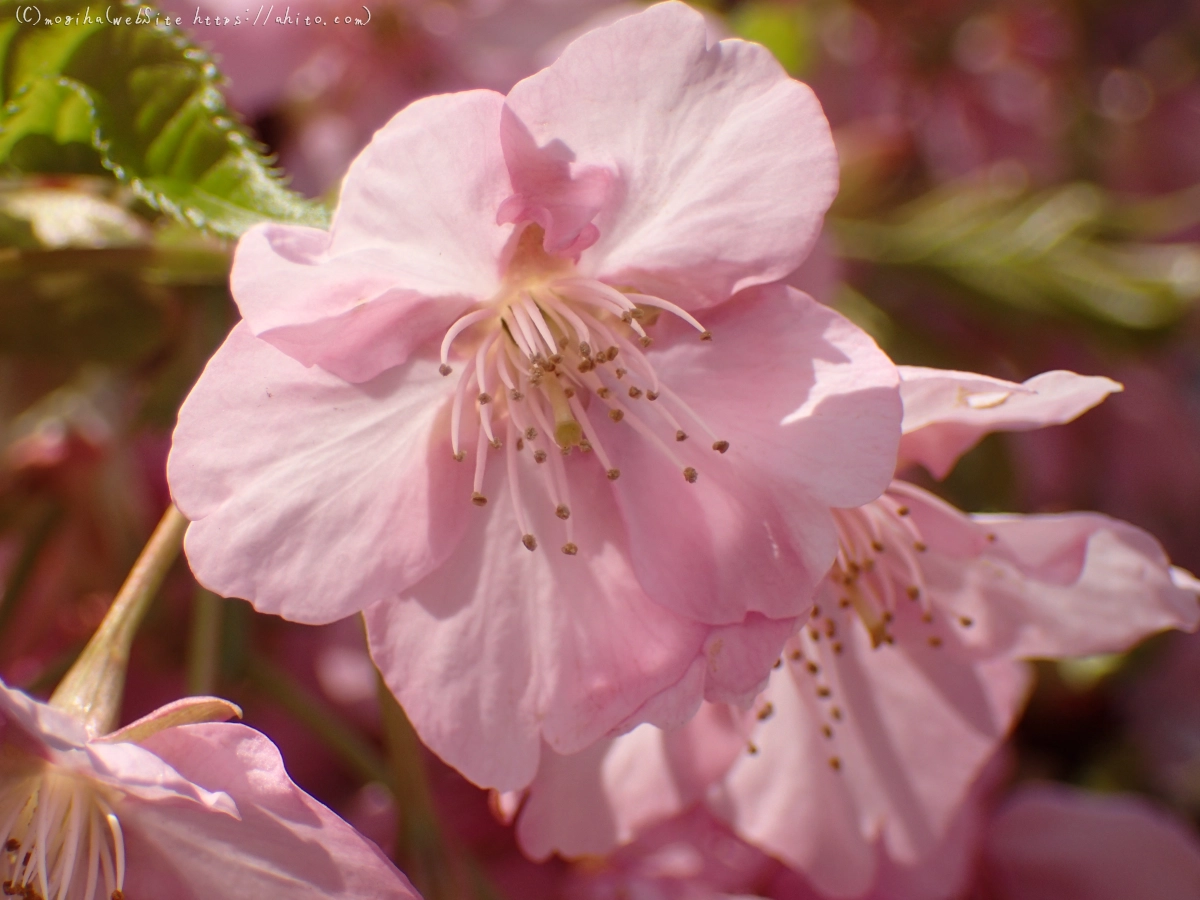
(62,838)
(879,573)
(877,562)
(552,351)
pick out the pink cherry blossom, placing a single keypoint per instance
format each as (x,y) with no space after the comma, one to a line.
(535,406)
(907,676)
(174,805)
(1051,842)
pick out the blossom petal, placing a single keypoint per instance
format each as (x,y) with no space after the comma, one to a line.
(1073,584)
(343,313)
(788,800)
(310,497)
(913,728)
(725,164)
(946,413)
(591,802)
(42,725)
(502,648)
(1051,842)
(138,772)
(809,406)
(286,845)
(413,242)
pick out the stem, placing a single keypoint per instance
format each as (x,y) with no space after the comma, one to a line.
(91,690)
(204,644)
(421,850)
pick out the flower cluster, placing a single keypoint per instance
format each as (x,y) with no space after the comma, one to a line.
(643,538)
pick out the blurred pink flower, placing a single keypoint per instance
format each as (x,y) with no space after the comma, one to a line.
(168,807)
(1051,842)
(675,491)
(906,679)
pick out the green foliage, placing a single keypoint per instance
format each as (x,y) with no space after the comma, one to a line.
(1040,251)
(784,30)
(137,101)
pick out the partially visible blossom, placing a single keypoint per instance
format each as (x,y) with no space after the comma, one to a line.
(174,805)
(690,857)
(885,707)
(1052,842)
(535,406)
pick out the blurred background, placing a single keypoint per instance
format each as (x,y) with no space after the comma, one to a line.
(1020,192)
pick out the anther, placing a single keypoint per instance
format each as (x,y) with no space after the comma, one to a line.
(751,748)
(613,474)
(616,415)
(585,349)
(611,354)
(530,433)
(635,392)
(516,395)
(495,443)
(520,443)
(621,373)
(835,763)
(877,546)
(902,510)
(602,393)
(966,621)
(529,541)
(681,435)
(812,667)
(12,845)
(445,369)
(721,446)
(777,663)
(927,617)
(563,342)
(539,456)
(827,731)
(459,456)
(920,546)
(118,894)
(569,549)
(562,512)
(836,712)
(991,537)
(556,358)
(651,395)
(485,399)
(690,475)
(478,499)
(585,445)
(837,647)
(568,391)
(913,592)
(766,712)
(646,340)
(797,655)
(824,692)
(935,641)
(706,335)
(585,366)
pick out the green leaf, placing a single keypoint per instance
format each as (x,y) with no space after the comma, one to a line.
(1036,251)
(142,103)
